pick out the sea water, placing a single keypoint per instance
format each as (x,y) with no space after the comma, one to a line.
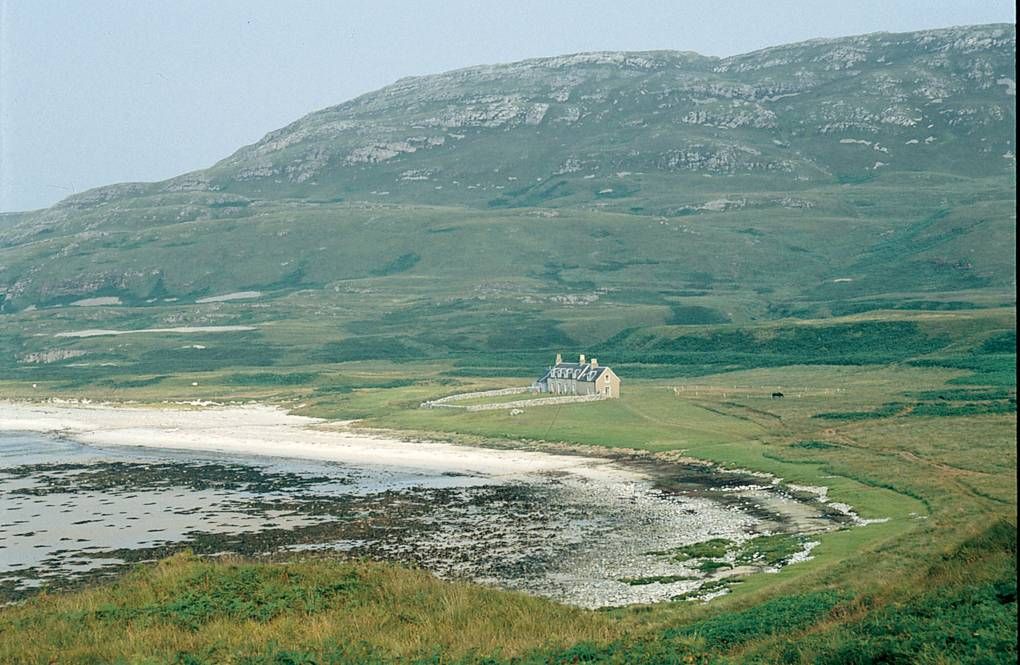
(70,511)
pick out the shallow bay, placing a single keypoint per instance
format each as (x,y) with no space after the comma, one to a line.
(581,534)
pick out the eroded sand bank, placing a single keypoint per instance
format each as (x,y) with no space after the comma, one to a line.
(270,431)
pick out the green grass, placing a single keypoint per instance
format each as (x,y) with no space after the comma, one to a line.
(769,550)
(781,615)
(968,625)
(880,302)
(935,470)
(711,566)
(714,548)
(656,579)
(188,610)
(239,594)
(270,379)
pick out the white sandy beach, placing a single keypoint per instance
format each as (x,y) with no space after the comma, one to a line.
(600,516)
(270,431)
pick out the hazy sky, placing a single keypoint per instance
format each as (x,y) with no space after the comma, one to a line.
(104,91)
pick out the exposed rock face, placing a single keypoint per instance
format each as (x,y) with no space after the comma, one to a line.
(51,356)
(634,133)
(727,109)
(674,110)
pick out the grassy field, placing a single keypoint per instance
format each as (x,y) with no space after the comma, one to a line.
(921,442)
(716,230)
(185,610)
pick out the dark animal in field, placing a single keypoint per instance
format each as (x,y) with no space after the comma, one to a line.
(777,395)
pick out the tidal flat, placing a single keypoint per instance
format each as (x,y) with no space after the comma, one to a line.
(584,530)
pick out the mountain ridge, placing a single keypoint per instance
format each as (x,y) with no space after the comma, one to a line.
(879,167)
(325,145)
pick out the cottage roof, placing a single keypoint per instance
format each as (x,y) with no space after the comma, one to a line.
(576,371)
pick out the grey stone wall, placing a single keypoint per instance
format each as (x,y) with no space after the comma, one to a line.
(541,401)
(447,401)
(450,401)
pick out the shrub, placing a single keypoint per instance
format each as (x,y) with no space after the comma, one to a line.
(271,379)
(813,445)
(709,549)
(975,624)
(239,593)
(771,550)
(780,615)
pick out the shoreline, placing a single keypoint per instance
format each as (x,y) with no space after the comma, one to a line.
(269,431)
(263,430)
(638,513)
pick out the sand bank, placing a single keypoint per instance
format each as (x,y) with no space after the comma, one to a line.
(270,431)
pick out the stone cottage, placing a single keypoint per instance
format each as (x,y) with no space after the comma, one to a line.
(585,377)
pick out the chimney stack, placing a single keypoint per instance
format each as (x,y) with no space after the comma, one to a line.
(559,358)
(594,363)
(582,358)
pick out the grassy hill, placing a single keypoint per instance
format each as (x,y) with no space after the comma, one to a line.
(649,132)
(579,196)
(834,218)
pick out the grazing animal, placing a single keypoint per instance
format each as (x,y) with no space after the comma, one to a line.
(777,395)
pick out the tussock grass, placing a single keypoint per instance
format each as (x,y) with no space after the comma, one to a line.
(960,609)
(220,610)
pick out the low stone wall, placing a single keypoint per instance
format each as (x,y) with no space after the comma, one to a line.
(448,402)
(541,401)
(445,401)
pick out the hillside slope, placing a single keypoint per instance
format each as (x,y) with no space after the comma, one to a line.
(834,221)
(578,196)
(565,129)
